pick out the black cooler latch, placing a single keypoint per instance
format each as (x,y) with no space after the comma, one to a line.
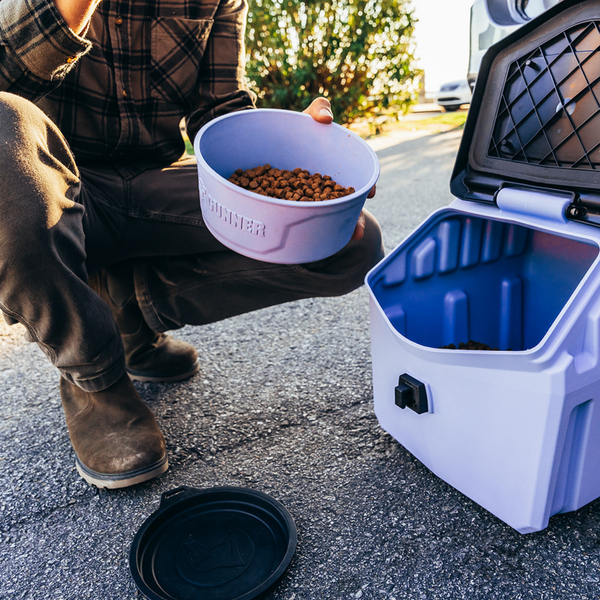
(410,393)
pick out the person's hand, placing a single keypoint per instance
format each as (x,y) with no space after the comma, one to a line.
(359,230)
(320,111)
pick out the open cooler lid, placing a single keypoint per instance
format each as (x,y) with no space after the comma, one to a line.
(534,120)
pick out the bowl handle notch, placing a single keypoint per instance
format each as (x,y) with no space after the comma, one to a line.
(176,494)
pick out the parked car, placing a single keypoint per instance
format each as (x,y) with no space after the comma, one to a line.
(452,95)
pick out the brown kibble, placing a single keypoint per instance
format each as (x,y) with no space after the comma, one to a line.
(297,185)
(470,345)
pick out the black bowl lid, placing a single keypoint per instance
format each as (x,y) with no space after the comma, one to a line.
(534,120)
(212,544)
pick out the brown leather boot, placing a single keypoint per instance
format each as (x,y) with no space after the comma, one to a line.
(149,356)
(114,434)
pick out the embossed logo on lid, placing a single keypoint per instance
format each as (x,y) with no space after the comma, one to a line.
(215,557)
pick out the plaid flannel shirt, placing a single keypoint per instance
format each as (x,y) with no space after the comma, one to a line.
(119,91)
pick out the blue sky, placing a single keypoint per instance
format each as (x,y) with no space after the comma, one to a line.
(442,35)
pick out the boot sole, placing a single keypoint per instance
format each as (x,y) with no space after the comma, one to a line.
(121,480)
(150,377)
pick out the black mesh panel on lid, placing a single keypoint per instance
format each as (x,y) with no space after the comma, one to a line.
(549,110)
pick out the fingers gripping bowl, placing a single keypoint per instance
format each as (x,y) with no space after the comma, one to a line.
(272,229)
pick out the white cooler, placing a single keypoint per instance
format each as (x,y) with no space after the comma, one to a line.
(512,263)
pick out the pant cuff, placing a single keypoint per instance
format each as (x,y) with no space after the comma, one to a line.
(101,381)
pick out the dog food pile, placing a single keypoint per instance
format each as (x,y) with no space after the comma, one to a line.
(470,345)
(298,185)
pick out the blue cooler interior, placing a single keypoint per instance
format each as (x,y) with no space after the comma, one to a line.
(511,264)
(468,278)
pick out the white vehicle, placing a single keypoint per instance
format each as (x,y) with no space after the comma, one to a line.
(452,95)
(484,33)
(505,13)
(492,20)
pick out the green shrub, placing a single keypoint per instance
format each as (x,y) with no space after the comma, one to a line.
(356,53)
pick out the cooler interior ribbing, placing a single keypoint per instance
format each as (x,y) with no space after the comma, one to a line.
(469,278)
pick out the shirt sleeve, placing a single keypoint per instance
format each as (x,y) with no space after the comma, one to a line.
(37,47)
(222,82)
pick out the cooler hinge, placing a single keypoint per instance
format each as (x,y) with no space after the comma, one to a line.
(547,204)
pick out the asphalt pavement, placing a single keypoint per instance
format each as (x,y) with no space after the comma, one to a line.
(283,404)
